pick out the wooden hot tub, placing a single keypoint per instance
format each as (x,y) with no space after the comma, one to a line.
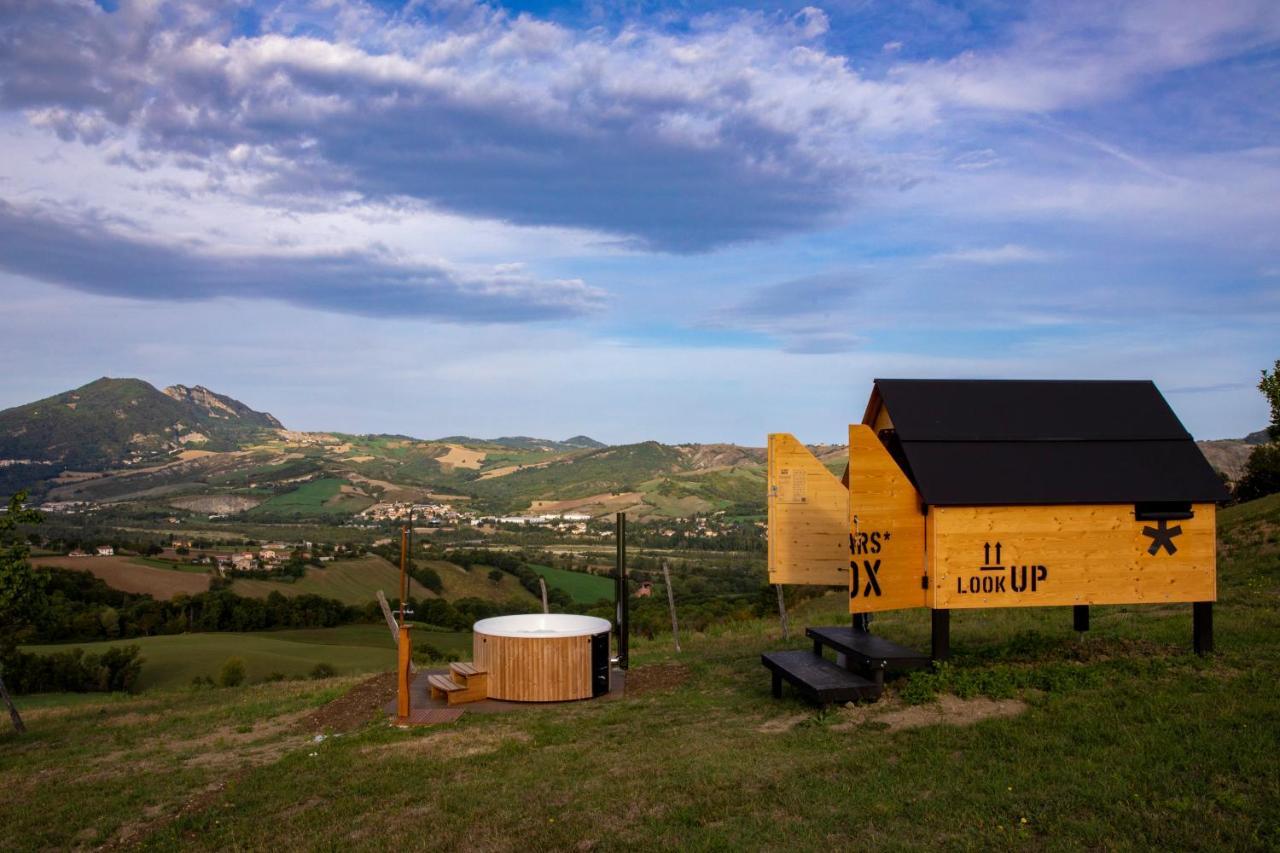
(543,657)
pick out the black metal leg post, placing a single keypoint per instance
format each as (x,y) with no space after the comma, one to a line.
(862,623)
(1202,627)
(1080,617)
(941,634)
(777,686)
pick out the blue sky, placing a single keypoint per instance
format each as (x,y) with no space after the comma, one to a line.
(685,221)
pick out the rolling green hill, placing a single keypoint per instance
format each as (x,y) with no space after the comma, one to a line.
(112,422)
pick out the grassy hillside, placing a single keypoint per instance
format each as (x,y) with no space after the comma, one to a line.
(349,581)
(129,574)
(327,496)
(1122,740)
(582,587)
(174,660)
(460,583)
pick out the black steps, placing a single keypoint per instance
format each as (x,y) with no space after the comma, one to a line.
(818,679)
(861,679)
(865,650)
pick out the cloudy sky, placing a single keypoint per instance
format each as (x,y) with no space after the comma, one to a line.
(685,221)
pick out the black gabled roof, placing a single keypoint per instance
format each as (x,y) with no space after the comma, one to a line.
(985,442)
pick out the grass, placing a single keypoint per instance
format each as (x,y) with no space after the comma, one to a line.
(322,497)
(174,660)
(131,575)
(1123,740)
(582,587)
(350,581)
(460,583)
(177,565)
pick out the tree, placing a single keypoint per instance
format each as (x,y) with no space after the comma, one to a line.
(21,590)
(1269,385)
(1261,473)
(1262,470)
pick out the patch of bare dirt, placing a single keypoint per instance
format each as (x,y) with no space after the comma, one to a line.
(661,676)
(456,743)
(460,457)
(947,711)
(778,725)
(357,707)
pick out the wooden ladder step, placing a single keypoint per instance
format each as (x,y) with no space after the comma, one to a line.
(818,679)
(455,693)
(867,650)
(444,683)
(465,669)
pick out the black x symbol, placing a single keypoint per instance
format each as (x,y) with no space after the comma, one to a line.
(872,582)
(1162,537)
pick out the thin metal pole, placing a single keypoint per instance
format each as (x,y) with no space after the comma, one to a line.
(782,613)
(623,592)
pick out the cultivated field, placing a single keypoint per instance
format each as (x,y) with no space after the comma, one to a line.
(129,575)
(1031,737)
(582,587)
(460,583)
(350,581)
(174,660)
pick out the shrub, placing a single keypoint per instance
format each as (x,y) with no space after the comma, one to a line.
(232,674)
(1261,473)
(273,678)
(116,669)
(323,670)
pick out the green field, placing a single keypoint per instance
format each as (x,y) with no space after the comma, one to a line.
(350,581)
(582,587)
(1030,737)
(460,583)
(173,661)
(317,498)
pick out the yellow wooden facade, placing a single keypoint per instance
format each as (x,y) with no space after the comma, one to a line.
(808,517)
(874,537)
(1021,556)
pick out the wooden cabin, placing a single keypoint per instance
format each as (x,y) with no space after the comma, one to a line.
(963,494)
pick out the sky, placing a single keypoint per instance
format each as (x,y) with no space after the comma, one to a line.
(683,221)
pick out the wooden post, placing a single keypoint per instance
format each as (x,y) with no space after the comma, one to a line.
(941,620)
(1080,617)
(543,584)
(391,623)
(1202,627)
(782,612)
(404,645)
(18,725)
(671,603)
(403,681)
(623,593)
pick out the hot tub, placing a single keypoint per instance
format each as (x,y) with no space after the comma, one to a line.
(543,657)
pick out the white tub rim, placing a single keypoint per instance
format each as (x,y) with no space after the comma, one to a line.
(534,626)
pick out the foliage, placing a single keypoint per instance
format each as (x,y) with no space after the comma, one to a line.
(115,670)
(1269,385)
(82,607)
(21,589)
(232,673)
(1261,473)
(323,670)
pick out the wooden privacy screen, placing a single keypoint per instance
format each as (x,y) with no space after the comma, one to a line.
(886,535)
(1024,556)
(808,517)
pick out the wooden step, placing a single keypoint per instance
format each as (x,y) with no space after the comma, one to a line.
(866,650)
(460,671)
(445,687)
(817,678)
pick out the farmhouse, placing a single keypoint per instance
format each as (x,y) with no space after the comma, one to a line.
(106,551)
(972,494)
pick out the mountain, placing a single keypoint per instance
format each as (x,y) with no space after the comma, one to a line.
(524,442)
(220,408)
(1229,455)
(113,422)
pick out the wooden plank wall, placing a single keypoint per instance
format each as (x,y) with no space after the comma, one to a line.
(535,669)
(808,517)
(1087,554)
(887,529)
